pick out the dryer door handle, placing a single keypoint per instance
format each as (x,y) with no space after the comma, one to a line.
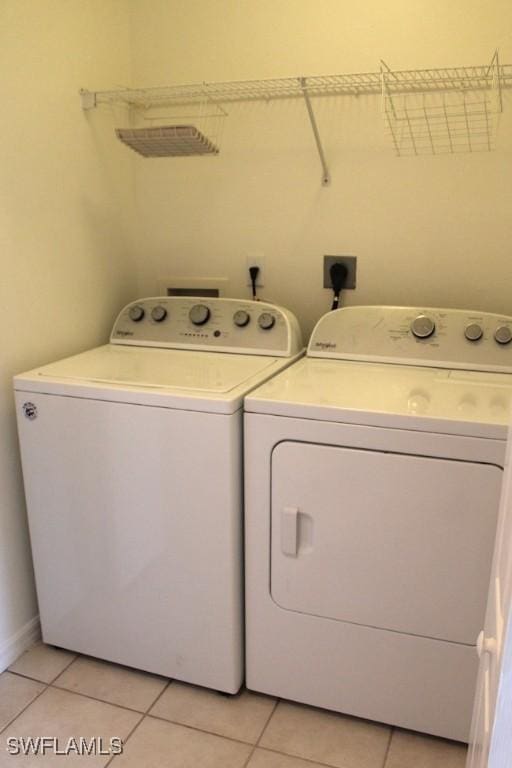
(289,531)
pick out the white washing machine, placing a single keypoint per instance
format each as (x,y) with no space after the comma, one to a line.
(132,463)
(373,469)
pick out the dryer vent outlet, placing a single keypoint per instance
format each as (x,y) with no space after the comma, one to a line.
(349,262)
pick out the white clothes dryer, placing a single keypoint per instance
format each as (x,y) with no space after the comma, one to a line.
(132,463)
(373,469)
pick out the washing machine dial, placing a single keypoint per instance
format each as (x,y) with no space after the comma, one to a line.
(199,314)
(422,327)
(266,321)
(158,313)
(136,313)
(503,334)
(473,332)
(241,318)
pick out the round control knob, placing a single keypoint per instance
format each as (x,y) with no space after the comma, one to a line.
(473,332)
(418,401)
(266,321)
(503,334)
(158,313)
(199,314)
(422,327)
(241,318)
(136,313)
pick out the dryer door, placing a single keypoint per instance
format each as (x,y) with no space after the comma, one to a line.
(387,540)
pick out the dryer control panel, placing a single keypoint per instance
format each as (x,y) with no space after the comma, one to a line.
(219,325)
(443,338)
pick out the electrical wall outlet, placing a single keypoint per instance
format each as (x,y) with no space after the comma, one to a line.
(255,260)
(349,262)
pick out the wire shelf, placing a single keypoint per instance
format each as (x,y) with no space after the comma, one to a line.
(405,81)
(460,118)
(427,111)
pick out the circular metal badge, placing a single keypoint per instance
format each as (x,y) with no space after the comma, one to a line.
(30,410)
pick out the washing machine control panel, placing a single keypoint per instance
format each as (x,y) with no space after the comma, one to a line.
(444,338)
(220,325)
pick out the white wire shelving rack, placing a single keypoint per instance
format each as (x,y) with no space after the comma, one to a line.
(458,113)
(447,109)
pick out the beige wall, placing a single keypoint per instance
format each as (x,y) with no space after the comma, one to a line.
(428,231)
(65,199)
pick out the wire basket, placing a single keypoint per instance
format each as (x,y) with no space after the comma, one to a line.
(461,116)
(170,134)
(167,141)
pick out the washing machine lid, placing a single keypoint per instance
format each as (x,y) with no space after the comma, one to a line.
(397,396)
(205,381)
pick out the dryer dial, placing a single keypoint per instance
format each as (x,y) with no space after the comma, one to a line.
(473,332)
(136,313)
(199,314)
(503,334)
(241,318)
(266,321)
(158,313)
(422,327)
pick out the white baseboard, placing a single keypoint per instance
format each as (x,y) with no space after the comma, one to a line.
(15,645)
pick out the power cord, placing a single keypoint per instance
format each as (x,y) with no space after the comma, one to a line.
(338,274)
(254,272)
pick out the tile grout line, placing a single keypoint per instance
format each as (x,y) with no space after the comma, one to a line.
(194,728)
(144,716)
(147,712)
(77,656)
(18,714)
(25,677)
(166,686)
(43,682)
(304,760)
(100,701)
(52,685)
(391,733)
(128,737)
(33,680)
(269,718)
(200,730)
(255,746)
(143,713)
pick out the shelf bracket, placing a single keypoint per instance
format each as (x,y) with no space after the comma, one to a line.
(326,177)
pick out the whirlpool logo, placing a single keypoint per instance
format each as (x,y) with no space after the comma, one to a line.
(325,345)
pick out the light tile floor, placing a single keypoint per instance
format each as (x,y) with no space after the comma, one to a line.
(168,724)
